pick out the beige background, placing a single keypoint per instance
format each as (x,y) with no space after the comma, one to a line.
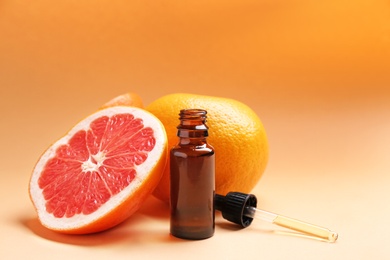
(317,74)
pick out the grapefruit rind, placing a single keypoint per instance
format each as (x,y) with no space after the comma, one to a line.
(152,165)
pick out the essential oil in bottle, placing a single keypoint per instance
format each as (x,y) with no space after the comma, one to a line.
(192,180)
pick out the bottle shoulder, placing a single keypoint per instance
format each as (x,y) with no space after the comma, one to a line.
(192,150)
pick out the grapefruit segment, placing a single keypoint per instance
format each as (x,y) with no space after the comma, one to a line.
(100,172)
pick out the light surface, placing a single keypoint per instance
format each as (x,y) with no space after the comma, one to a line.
(317,74)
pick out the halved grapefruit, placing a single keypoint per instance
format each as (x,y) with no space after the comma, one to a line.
(100,172)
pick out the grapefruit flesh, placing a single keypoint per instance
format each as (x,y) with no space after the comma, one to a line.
(100,172)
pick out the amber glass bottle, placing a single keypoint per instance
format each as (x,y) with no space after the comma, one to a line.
(192,186)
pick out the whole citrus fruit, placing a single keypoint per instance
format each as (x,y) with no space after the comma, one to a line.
(235,132)
(128,99)
(100,172)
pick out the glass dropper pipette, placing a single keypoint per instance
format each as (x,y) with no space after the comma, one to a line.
(240,208)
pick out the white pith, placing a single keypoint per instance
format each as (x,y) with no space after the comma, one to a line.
(94,162)
(142,170)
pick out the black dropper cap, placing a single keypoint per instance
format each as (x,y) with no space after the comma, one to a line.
(233,205)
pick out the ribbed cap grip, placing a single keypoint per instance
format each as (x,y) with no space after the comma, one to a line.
(232,207)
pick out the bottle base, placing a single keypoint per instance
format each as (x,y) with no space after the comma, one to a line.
(191,233)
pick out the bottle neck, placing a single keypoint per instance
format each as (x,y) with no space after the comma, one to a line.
(192,124)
